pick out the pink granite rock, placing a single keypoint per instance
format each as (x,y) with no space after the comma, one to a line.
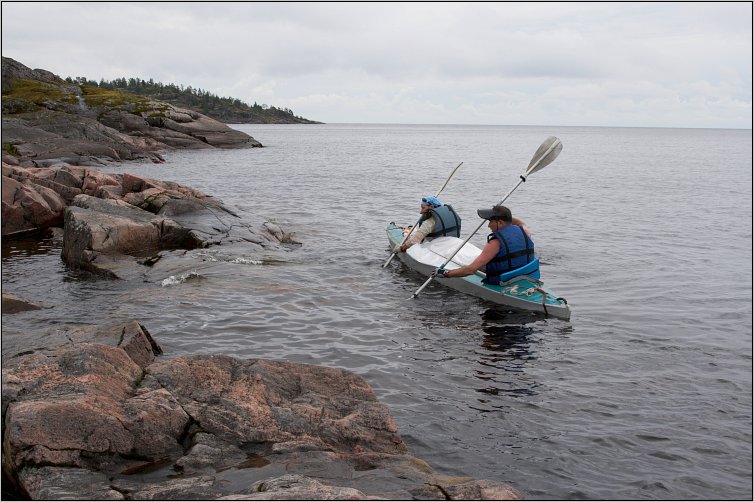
(27,206)
(91,414)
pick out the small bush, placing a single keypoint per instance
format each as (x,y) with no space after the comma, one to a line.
(11,149)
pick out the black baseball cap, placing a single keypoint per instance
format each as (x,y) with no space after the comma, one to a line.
(496,213)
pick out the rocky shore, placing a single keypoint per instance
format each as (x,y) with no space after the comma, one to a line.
(47,120)
(100,413)
(114,222)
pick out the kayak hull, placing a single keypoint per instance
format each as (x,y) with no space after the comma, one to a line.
(522,292)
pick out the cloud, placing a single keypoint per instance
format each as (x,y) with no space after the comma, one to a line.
(589,63)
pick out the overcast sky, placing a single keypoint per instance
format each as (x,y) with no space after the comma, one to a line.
(595,64)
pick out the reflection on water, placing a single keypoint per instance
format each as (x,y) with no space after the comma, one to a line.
(507,345)
(30,245)
(506,332)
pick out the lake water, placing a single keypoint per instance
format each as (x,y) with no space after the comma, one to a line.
(646,393)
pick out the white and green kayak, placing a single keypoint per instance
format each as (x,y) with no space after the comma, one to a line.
(518,289)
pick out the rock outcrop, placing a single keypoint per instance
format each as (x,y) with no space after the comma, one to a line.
(29,206)
(94,414)
(95,229)
(35,198)
(110,221)
(45,117)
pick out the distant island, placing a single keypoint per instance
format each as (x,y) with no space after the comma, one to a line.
(227,110)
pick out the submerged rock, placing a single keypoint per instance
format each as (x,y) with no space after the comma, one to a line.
(12,304)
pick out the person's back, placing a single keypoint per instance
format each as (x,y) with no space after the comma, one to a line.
(446,222)
(508,247)
(516,250)
(437,220)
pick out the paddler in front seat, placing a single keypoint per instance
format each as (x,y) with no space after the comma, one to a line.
(437,220)
(509,247)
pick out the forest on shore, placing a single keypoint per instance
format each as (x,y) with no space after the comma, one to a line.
(225,109)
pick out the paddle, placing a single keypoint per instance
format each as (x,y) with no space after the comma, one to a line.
(545,154)
(420,218)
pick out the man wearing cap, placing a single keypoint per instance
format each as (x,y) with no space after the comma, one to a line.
(437,220)
(509,247)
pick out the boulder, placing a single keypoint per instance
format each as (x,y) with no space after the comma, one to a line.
(27,206)
(99,232)
(83,407)
(66,483)
(109,228)
(94,180)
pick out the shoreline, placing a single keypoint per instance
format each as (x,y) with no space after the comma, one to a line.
(47,459)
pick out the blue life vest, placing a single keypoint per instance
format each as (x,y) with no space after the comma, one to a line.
(516,250)
(447,221)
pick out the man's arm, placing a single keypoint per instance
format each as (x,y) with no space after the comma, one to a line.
(419,234)
(487,254)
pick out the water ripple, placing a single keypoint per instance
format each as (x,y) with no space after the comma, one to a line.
(644,394)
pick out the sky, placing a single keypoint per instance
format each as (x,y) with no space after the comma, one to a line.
(648,64)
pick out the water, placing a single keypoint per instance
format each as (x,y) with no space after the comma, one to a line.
(645,394)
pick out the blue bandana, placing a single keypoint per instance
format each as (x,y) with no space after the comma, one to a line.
(431,200)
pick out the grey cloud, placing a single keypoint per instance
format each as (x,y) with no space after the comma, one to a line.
(436,60)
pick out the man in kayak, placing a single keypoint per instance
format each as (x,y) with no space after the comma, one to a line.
(509,247)
(437,220)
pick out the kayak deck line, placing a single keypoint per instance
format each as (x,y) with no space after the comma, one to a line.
(522,292)
(513,291)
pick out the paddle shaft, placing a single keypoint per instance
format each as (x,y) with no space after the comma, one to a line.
(426,283)
(420,218)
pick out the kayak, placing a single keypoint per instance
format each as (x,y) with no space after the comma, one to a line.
(519,289)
